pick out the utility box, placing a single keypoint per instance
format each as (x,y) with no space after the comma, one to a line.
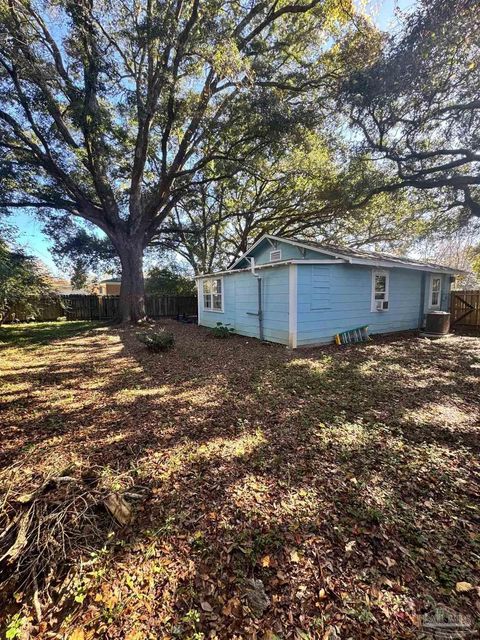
(438,323)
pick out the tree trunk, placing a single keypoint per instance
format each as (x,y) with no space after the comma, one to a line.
(132,289)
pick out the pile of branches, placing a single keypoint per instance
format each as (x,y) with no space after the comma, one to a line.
(44,531)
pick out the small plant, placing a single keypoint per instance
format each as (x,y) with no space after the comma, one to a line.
(160,341)
(222,330)
(15,627)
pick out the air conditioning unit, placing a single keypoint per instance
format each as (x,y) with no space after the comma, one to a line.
(381,305)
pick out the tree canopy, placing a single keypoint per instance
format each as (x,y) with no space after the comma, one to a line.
(22,282)
(167,281)
(197,126)
(111,111)
(415,105)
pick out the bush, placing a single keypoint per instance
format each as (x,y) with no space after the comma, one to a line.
(160,341)
(222,330)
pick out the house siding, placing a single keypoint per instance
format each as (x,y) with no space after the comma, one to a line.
(335,298)
(325,298)
(289,252)
(241,298)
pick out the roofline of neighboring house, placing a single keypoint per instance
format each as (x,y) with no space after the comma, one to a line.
(378,262)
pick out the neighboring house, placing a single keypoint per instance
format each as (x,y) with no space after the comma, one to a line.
(109,287)
(307,292)
(64,287)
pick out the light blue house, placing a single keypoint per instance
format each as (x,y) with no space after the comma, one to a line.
(302,293)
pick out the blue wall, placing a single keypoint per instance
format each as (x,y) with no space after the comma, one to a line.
(331,298)
(240,297)
(335,298)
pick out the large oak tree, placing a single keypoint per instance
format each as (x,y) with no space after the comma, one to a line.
(110,110)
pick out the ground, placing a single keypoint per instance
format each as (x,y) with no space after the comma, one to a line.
(324,493)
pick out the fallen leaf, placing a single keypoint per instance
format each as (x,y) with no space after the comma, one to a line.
(77,634)
(265,562)
(294,557)
(206,606)
(463,587)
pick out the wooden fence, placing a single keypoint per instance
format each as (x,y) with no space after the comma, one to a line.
(85,307)
(465,309)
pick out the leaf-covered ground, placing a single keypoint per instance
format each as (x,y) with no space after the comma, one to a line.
(323,493)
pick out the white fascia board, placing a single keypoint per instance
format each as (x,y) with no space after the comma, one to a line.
(333,261)
(271,238)
(268,265)
(327,252)
(345,257)
(244,255)
(392,264)
(345,260)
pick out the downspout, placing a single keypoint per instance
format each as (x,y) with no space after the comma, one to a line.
(259,312)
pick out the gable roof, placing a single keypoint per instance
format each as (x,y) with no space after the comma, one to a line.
(352,256)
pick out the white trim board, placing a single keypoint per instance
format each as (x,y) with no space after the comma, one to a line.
(368,261)
(277,239)
(268,265)
(292,305)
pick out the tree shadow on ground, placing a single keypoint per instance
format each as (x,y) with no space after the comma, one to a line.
(38,333)
(343,479)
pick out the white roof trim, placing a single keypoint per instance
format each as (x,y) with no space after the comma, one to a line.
(418,266)
(268,265)
(267,236)
(390,264)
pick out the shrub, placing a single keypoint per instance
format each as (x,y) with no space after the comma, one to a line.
(222,330)
(160,341)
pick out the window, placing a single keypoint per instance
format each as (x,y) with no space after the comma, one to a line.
(380,290)
(213,294)
(435,291)
(275,255)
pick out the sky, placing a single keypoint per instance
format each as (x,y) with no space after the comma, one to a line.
(30,235)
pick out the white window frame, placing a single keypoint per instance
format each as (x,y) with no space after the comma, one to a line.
(211,294)
(279,251)
(438,304)
(375,273)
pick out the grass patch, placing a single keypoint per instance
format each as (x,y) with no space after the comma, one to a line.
(38,333)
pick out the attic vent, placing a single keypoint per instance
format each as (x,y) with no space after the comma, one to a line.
(275,255)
